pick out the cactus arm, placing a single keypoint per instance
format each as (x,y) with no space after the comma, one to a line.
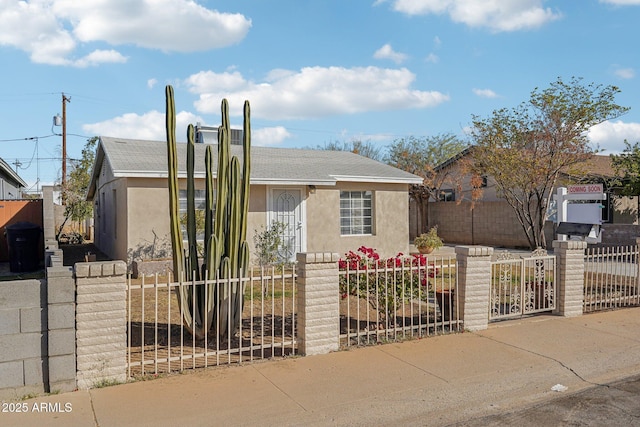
(234,216)
(246,169)
(172,162)
(209,202)
(192,263)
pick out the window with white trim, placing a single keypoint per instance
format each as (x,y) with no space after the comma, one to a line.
(356,212)
(200,202)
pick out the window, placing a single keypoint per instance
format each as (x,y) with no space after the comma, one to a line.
(447,195)
(356,212)
(200,200)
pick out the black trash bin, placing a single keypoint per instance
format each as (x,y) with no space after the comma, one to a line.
(23,239)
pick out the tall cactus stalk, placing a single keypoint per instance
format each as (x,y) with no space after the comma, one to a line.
(226,252)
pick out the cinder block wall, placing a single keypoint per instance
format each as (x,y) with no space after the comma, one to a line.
(101,323)
(23,338)
(488,223)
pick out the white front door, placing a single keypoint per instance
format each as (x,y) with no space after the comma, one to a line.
(287,207)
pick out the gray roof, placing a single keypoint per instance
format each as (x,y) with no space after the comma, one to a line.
(10,175)
(139,158)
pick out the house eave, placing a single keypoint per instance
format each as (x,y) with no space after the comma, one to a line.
(378,179)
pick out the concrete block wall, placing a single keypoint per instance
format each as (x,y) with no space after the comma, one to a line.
(488,223)
(61,326)
(23,338)
(101,323)
(318,303)
(474,285)
(570,276)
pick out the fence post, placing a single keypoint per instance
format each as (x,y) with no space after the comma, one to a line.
(318,303)
(570,289)
(474,285)
(101,323)
(61,325)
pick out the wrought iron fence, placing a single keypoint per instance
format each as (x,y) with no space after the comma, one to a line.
(522,286)
(397,298)
(611,278)
(158,341)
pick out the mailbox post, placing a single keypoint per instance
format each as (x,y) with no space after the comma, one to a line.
(580,213)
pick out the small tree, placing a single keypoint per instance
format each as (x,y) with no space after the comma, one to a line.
(268,243)
(627,167)
(74,191)
(420,156)
(525,149)
(362,148)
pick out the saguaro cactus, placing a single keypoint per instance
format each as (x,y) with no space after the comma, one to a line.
(226,253)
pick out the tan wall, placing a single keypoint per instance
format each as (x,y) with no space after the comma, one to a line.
(144,219)
(625,210)
(391,225)
(488,223)
(110,216)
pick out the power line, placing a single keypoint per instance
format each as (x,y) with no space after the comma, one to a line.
(31,138)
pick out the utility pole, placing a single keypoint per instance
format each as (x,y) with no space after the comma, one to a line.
(65,99)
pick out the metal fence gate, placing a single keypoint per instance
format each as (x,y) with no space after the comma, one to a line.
(522,286)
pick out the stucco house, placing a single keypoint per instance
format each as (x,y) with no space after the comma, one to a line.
(491,221)
(331,201)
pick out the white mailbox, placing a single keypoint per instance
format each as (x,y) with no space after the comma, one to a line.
(573,207)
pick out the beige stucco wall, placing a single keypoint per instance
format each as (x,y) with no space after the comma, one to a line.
(143,218)
(391,224)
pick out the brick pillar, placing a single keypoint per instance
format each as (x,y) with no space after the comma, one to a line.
(61,296)
(318,303)
(570,276)
(101,322)
(474,285)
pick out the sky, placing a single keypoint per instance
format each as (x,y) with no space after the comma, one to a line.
(314,72)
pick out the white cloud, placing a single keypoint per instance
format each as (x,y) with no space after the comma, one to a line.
(625,73)
(497,15)
(149,126)
(610,135)
(437,42)
(313,92)
(485,93)
(387,52)
(269,136)
(433,58)
(622,2)
(98,57)
(51,31)
(151,83)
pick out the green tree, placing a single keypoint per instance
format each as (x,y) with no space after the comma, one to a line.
(363,148)
(525,149)
(420,156)
(74,192)
(627,167)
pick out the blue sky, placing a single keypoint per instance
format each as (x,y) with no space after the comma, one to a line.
(314,71)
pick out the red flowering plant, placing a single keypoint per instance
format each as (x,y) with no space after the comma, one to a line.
(385,283)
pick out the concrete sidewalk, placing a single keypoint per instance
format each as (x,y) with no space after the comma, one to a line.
(433,381)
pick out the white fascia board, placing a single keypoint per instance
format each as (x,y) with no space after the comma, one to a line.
(258,181)
(378,179)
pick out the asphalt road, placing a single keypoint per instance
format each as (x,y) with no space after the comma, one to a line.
(615,404)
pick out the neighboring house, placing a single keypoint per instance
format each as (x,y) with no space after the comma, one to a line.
(11,184)
(490,220)
(331,201)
